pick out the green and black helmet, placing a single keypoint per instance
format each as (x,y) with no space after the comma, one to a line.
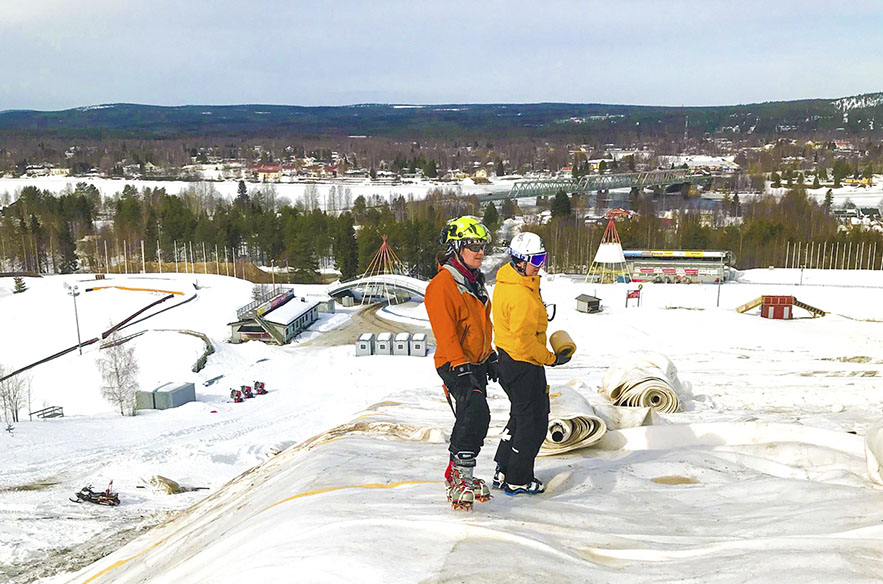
(464,231)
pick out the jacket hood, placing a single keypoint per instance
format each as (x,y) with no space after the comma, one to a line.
(508,275)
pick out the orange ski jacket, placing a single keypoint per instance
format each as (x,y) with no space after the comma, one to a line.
(520,318)
(461,322)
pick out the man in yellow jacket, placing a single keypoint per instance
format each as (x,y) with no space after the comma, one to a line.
(520,323)
(459,310)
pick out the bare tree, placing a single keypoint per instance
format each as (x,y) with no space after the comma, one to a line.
(119,372)
(14,393)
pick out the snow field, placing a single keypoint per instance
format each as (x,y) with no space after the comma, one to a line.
(336,474)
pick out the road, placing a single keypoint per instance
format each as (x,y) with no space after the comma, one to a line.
(366,320)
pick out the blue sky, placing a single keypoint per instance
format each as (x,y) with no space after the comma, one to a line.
(62,54)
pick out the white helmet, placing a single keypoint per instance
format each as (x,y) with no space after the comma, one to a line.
(527,246)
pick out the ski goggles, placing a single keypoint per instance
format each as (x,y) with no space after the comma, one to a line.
(537,260)
(476,247)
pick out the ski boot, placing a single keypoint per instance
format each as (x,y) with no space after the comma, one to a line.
(534,487)
(462,488)
(499,478)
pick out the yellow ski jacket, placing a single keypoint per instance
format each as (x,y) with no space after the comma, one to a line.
(520,319)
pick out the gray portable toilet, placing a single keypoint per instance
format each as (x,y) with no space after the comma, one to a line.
(401,344)
(172,395)
(418,345)
(383,346)
(365,344)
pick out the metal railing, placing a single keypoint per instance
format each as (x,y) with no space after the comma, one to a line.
(248,308)
(50,412)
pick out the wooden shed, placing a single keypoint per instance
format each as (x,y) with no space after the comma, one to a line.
(587,303)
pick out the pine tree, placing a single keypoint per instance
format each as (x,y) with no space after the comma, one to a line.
(561,205)
(346,251)
(20,285)
(302,259)
(68,248)
(815,182)
(491,217)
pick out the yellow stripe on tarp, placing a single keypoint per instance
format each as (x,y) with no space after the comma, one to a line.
(119,563)
(137,289)
(116,565)
(363,486)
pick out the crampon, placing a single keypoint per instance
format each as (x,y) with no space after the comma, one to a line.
(462,488)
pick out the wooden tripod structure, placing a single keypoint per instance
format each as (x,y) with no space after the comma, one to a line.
(609,264)
(385,261)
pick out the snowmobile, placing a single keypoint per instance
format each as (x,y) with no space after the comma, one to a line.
(106,497)
(246,391)
(259,388)
(236,396)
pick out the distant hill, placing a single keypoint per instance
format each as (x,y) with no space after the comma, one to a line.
(862,113)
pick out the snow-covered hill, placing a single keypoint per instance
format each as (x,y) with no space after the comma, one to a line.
(336,474)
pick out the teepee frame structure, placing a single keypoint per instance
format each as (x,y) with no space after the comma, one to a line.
(609,265)
(385,261)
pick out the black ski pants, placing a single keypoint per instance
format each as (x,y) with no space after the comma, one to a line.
(471,412)
(525,384)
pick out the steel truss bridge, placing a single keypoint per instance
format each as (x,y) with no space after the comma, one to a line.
(599,183)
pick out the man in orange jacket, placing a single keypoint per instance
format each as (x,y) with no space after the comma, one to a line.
(459,310)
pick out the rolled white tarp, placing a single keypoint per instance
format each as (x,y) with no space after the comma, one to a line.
(874,451)
(644,379)
(573,423)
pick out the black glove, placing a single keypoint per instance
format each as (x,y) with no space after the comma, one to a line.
(562,358)
(493,367)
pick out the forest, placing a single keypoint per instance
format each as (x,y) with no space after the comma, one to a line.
(77,230)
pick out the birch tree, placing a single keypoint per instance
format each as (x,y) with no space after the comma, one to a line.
(14,393)
(119,373)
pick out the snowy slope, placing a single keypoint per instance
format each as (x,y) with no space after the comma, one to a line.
(761,476)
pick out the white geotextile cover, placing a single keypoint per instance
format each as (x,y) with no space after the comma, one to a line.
(575,423)
(644,379)
(572,423)
(610,253)
(874,451)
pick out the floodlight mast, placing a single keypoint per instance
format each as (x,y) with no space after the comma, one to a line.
(74,291)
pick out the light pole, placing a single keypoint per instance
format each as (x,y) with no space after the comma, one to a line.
(74,291)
